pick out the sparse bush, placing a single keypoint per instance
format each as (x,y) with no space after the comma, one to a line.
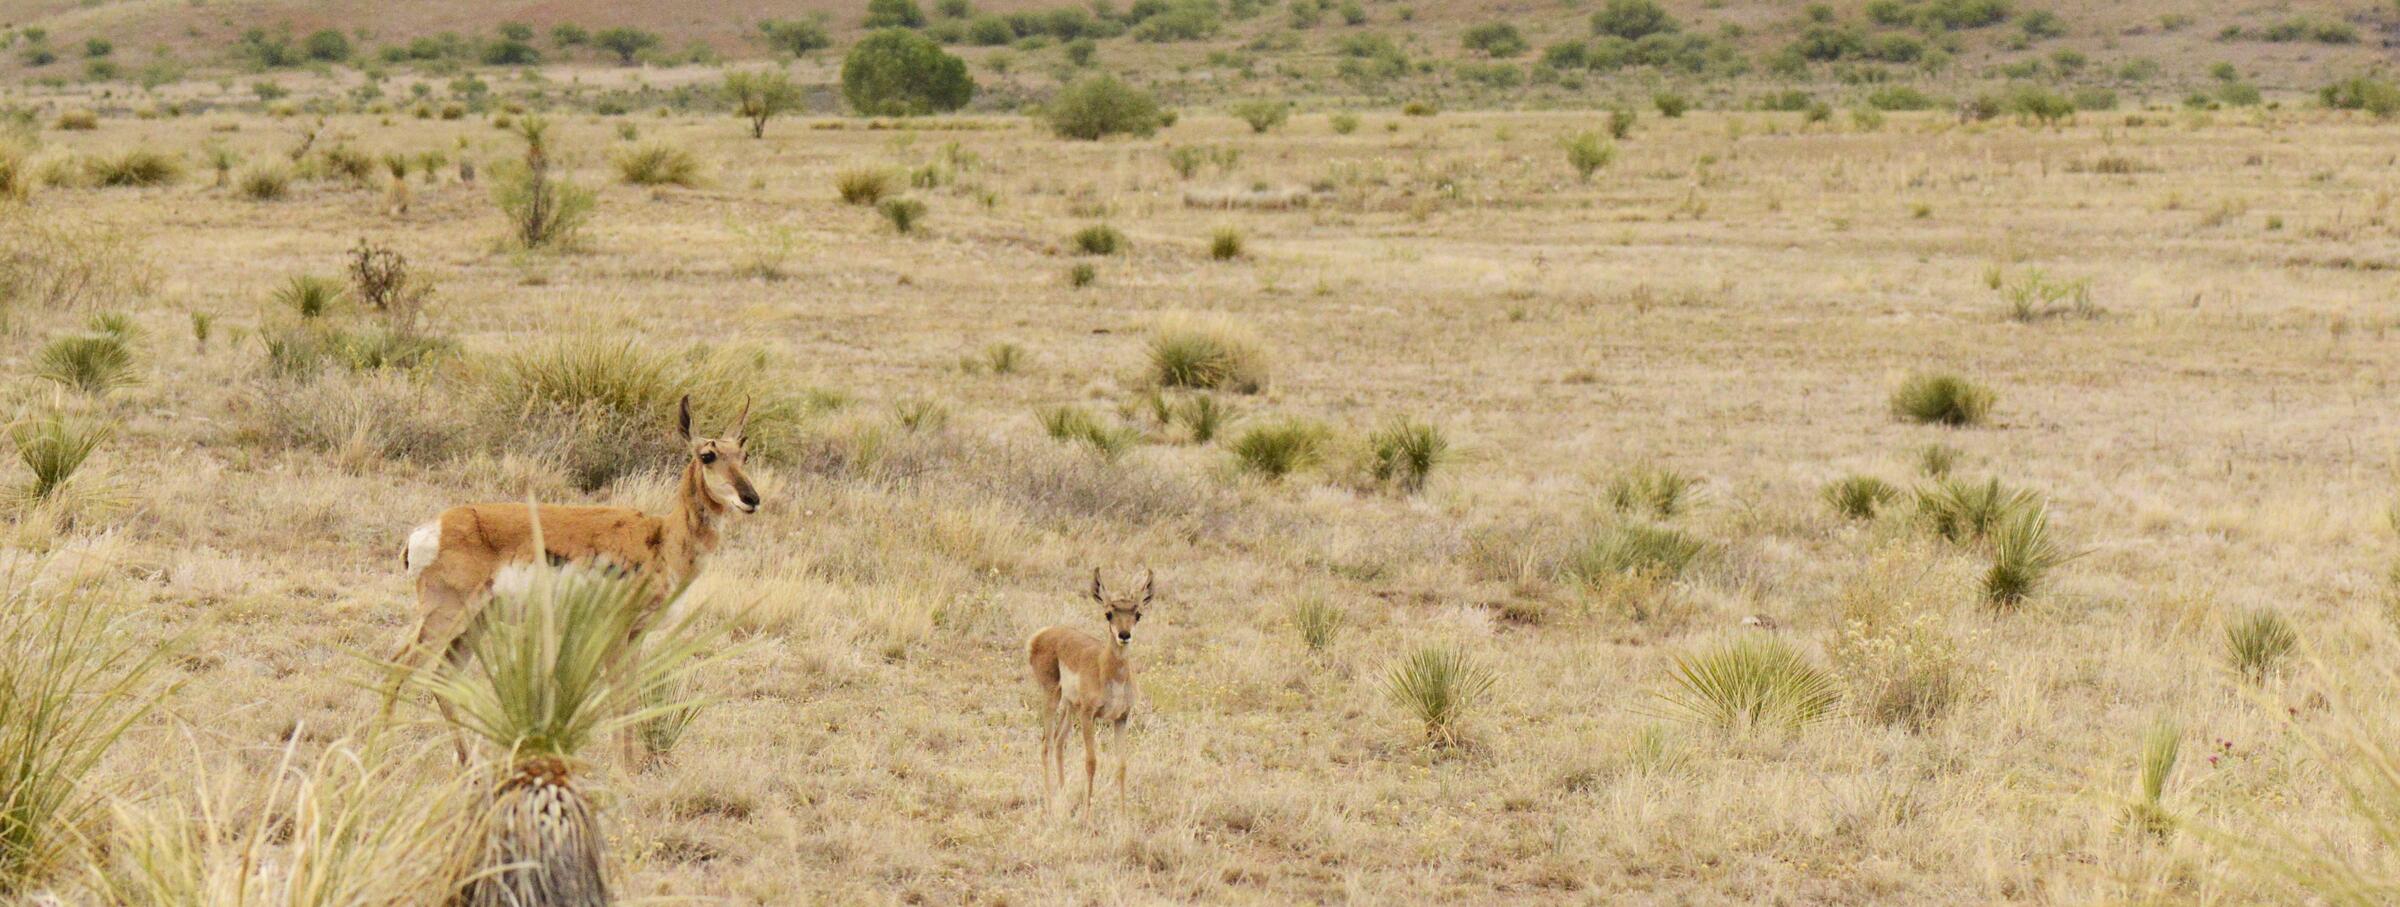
(1439,686)
(1632,20)
(1101,105)
(1073,424)
(1207,354)
(1587,153)
(602,406)
(1936,460)
(1263,114)
(1343,123)
(1748,684)
(1280,448)
(1894,649)
(1966,511)
(657,164)
(864,186)
(2373,95)
(1620,122)
(64,263)
(1225,244)
(1859,497)
(94,363)
(2023,553)
(386,286)
(2035,296)
(1407,451)
(543,210)
(1318,622)
(1082,274)
(1099,239)
(759,96)
(1494,39)
(902,213)
(1655,490)
(1621,550)
(626,43)
(2258,643)
(1941,399)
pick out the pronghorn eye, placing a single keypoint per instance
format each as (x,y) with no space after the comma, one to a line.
(708,456)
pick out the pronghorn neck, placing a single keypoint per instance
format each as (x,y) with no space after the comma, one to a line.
(693,527)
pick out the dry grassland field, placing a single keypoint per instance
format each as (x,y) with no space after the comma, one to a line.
(1520,535)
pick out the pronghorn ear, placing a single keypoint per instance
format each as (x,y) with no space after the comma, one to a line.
(1096,595)
(741,425)
(683,418)
(1149,584)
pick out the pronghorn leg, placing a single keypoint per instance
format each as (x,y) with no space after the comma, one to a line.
(1057,767)
(455,659)
(1049,741)
(1091,757)
(1116,741)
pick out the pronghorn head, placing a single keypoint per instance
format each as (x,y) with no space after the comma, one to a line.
(719,461)
(1123,611)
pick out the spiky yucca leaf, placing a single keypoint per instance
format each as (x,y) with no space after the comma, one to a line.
(93,363)
(1439,685)
(2258,642)
(1858,497)
(1407,451)
(2023,553)
(1660,491)
(1751,683)
(2161,746)
(1318,622)
(1965,511)
(53,448)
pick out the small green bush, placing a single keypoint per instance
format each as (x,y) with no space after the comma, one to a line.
(2373,95)
(1073,424)
(1207,354)
(1941,399)
(1278,449)
(902,213)
(1670,105)
(863,186)
(1100,105)
(136,167)
(1966,511)
(1081,274)
(1225,244)
(657,164)
(1262,114)
(2023,553)
(1344,123)
(1632,549)
(1656,491)
(310,296)
(1587,152)
(1099,239)
(1318,622)
(93,363)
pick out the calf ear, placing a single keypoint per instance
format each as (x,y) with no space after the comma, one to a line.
(1096,596)
(683,418)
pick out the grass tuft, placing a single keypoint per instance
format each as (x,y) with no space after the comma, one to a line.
(2162,745)
(311,296)
(1751,683)
(2023,554)
(657,164)
(1620,550)
(94,363)
(265,182)
(1657,491)
(1318,621)
(902,213)
(1278,449)
(1202,416)
(2258,643)
(1098,239)
(1962,512)
(1439,686)
(1225,244)
(1407,452)
(1939,399)
(864,186)
(1074,424)
(1207,354)
(1859,497)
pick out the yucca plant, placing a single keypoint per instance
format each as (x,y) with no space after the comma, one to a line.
(1966,511)
(1004,358)
(657,164)
(311,296)
(1859,497)
(863,187)
(1936,460)
(1207,354)
(2162,745)
(1407,451)
(2023,553)
(1202,416)
(1938,399)
(1750,683)
(902,213)
(2258,643)
(557,667)
(1318,621)
(1658,491)
(1632,549)
(1439,686)
(1074,424)
(53,446)
(93,363)
(544,209)
(72,679)
(1280,448)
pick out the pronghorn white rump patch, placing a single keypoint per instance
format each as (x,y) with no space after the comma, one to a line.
(424,544)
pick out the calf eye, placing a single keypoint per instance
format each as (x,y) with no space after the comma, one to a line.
(708,457)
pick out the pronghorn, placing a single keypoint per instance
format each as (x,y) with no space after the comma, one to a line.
(1084,681)
(456,558)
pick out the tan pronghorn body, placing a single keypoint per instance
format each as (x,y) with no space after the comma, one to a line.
(459,557)
(1084,681)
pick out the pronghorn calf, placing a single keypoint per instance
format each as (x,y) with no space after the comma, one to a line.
(456,558)
(1084,681)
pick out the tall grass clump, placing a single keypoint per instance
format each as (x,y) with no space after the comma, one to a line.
(1750,683)
(606,407)
(1202,416)
(1207,354)
(1655,490)
(544,210)
(1894,648)
(2162,745)
(1280,448)
(16,172)
(1074,424)
(556,668)
(1859,497)
(863,186)
(2035,296)
(265,182)
(1621,550)
(1940,399)
(93,363)
(1439,686)
(73,677)
(1960,511)
(2023,553)
(77,119)
(1407,451)
(1098,239)
(2258,643)
(657,164)
(1318,622)
(136,167)
(1225,244)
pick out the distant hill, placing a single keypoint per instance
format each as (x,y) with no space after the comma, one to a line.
(1501,51)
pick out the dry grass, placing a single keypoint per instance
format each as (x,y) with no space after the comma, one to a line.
(874,743)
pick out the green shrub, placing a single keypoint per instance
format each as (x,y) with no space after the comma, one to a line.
(1207,354)
(1081,274)
(1632,550)
(1587,153)
(1632,20)
(94,363)
(626,43)
(1407,451)
(1751,683)
(1901,97)
(2373,95)
(1941,399)
(1859,497)
(1439,686)
(761,96)
(657,164)
(2258,643)
(1099,239)
(1344,123)
(902,213)
(1202,416)
(863,186)
(1278,449)
(1494,39)
(1225,244)
(1670,104)
(1262,114)
(53,447)
(2035,296)
(1965,511)
(1100,105)
(76,120)
(896,72)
